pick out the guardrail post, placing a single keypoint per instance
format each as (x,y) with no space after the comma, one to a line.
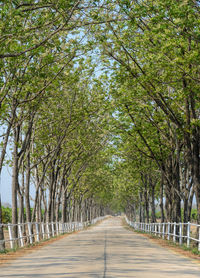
(163,230)
(52,227)
(62,228)
(188,234)
(199,239)
(159,229)
(47,228)
(57,229)
(174,233)
(37,232)
(10,236)
(168,230)
(43,233)
(180,233)
(30,233)
(20,235)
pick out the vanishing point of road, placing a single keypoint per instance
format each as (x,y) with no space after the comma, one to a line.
(107,250)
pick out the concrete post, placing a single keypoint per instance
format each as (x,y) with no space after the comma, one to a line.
(43,233)
(10,236)
(174,232)
(37,232)
(30,233)
(20,235)
(188,234)
(180,234)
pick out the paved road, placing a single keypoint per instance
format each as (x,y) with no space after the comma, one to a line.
(105,251)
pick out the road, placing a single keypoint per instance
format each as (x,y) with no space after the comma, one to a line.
(107,250)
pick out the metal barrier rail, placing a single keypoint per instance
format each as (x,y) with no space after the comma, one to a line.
(28,233)
(169,230)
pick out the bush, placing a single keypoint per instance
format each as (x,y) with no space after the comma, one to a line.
(6,215)
(194,214)
(158,214)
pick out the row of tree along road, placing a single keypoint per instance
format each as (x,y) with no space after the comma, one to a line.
(100,106)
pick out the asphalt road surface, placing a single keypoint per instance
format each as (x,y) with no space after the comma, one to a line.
(105,250)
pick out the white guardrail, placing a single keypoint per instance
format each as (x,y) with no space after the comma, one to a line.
(181,232)
(28,233)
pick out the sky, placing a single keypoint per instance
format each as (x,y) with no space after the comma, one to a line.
(5,185)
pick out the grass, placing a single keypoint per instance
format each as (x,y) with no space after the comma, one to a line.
(194,250)
(5,251)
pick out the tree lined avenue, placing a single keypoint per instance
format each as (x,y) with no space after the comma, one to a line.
(100,108)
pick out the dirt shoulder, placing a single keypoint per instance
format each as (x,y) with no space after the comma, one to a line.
(19,252)
(166,244)
(14,254)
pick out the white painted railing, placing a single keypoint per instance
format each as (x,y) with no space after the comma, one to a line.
(28,233)
(181,232)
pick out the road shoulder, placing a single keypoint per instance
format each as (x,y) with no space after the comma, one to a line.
(175,248)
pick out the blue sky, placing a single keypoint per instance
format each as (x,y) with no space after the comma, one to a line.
(5,185)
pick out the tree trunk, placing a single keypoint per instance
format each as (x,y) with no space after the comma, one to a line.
(146,199)
(15,181)
(64,205)
(141,208)
(27,189)
(190,202)
(21,208)
(161,200)
(2,243)
(153,209)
